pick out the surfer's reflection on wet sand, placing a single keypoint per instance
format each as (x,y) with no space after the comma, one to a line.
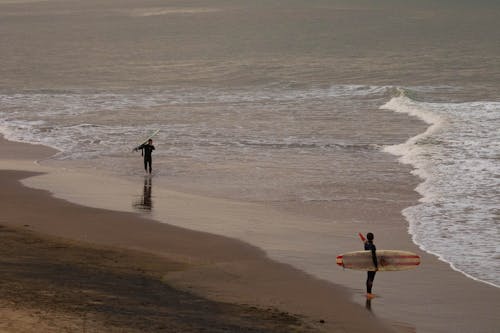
(145,203)
(368,304)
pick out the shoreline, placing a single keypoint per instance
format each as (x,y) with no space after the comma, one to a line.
(410,300)
(405,155)
(221,269)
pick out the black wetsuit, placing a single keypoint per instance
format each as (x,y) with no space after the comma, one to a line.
(369,246)
(147,150)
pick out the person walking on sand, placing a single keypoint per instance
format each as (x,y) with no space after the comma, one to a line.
(369,246)
(147,150)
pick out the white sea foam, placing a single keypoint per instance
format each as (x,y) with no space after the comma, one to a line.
(77,123)
(457,158)
(160,11)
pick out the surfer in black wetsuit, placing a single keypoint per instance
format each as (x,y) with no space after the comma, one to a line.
(369,246)
(147,150)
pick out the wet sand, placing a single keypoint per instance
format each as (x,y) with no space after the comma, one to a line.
(432,298)
(106,266)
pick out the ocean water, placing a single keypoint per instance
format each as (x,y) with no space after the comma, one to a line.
(274,102)
(458,160)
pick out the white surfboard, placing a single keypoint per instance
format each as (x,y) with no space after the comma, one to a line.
(388,260)
(146,140)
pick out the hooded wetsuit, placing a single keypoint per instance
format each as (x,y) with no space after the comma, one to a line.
(147,150)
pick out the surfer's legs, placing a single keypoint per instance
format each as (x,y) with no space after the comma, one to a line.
(148,162)
(369,281)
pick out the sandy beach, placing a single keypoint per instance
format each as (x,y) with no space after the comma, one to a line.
(210,268)
(103,243)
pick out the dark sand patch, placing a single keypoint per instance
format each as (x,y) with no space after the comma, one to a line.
(73,285)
